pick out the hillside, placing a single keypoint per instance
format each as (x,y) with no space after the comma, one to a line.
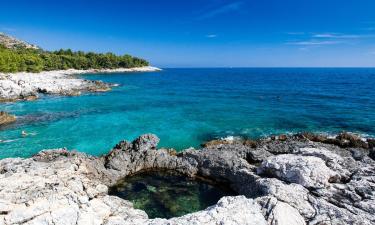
(13,43)
(20,56)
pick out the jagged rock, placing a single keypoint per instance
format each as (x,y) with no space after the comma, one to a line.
(256,156)
(371,143)
(314,137)
(352,140)
(309,171)
(280,213)
(146,142)
(294,194)
(358,154)
(372,154)
(344,140)
(230,141)
(229,210)
(6,118)
(282,137)
(291,181)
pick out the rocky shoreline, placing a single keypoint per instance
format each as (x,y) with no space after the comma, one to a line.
(28,86)
(282,180)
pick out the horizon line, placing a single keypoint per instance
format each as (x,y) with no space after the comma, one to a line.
(268,67)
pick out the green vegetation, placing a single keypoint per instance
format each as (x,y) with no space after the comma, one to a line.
(36,60)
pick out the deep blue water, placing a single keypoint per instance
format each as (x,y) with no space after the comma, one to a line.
(186,107)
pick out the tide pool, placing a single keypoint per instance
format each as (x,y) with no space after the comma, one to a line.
(186,107)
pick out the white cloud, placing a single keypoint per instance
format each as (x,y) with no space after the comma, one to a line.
(314,43)
(334,35)
(211,36)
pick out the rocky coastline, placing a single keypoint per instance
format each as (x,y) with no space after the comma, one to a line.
(28,86)
(285,180)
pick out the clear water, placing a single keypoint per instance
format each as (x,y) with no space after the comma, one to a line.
(166,195)
(186,107)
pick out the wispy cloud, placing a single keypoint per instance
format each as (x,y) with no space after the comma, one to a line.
(234,6)
(7,29)
(295,33)
(332,35)
(314,43)
(310,40)
(337,36)
(369,28)
(211,35)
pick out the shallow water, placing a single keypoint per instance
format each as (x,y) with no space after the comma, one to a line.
(186,107)
(166,195)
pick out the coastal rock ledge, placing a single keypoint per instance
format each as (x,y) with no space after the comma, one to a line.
(28,86)
(289,180)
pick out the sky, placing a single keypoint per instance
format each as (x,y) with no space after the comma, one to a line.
(203,33)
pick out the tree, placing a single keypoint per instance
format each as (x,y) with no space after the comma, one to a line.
(34,60)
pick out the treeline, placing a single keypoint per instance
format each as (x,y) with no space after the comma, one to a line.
(36,60)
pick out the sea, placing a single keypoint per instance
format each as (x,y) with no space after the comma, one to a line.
(185,107)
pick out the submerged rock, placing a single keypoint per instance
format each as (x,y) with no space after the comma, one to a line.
(288,180)
(6,118)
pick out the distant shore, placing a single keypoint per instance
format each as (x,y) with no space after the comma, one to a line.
(118,70)
(75,71)
(28,86)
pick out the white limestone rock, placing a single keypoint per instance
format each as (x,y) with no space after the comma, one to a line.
(308,171)
(280,213)
(63,187)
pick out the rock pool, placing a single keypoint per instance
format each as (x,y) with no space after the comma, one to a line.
(165,194)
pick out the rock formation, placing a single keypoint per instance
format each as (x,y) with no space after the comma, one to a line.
(6,118)
(286,181)
(27,86)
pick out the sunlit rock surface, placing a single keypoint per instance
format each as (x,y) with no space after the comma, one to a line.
(287,180)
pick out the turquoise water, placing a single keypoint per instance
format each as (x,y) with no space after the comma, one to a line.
(166,195)
(186,107)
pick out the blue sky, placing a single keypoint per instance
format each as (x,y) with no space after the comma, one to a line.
(204,33)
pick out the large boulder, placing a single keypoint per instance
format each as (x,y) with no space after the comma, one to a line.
(280,213)
(146,142)
(308,171)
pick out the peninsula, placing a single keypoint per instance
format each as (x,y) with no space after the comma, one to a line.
(27,70)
